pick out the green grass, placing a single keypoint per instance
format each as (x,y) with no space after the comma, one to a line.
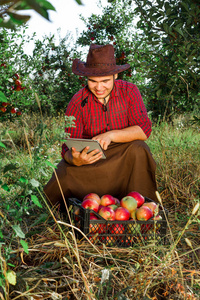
(55,263)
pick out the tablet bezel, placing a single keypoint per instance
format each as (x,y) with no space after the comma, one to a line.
(80,144)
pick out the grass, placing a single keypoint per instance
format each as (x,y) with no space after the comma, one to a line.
(54,265)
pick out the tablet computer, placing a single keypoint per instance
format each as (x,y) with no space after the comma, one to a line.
(80,144)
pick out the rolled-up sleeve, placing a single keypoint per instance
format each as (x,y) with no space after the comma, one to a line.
(137,113)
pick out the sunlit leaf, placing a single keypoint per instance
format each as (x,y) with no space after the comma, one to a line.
(50,164)
(5,187)
(36,201)
(3,97)
(18,231)
(34,182)
(24,245)
(11,277)
(2,145)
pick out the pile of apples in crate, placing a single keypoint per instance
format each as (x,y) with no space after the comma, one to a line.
(130,207)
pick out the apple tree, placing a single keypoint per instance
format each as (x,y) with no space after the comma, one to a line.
(171,30)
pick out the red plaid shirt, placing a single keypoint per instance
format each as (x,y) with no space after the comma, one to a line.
(125,108)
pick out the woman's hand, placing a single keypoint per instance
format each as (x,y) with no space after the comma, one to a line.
(82,158)
(104,139)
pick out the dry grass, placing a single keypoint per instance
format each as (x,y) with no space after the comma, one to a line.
(60,267)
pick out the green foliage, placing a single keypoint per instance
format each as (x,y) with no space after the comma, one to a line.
(163,50)
(41,81)
(172,34)
(10,18)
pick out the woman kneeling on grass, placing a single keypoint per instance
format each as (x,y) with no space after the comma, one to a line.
(112,112)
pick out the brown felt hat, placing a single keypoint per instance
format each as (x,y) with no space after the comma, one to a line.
(100,62)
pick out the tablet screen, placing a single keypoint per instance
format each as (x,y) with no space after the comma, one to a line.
(80,144)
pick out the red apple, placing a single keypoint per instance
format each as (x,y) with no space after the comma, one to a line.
(116,228)
(93,196)
(94,227)
(107,213)
(144,213)
(91,204)
(138,197)
(3,109)
(122,214)
(107,200)
(157,218)
(129,203)
(13,110)
(153,206)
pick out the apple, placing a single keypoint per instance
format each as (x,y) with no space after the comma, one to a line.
(3,109)
(144,213)
(133,214)
(121,214)
(153,206)
(13,110)
(107,213)
(116,228)
(113,206)
(91,204)
(117,202)
(129,203)
(93,226)
(107,200)
(134,228)
(93,196)
(157,218)
(138,197)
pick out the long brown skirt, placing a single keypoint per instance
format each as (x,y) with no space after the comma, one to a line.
(128,167)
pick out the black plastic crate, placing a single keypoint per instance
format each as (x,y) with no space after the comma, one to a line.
(117,233)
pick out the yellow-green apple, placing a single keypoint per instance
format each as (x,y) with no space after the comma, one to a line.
(144,213)
(134,228)
(93,196)
(91,204)
(113,206)
(153,206)
(122,214)
(107,200)
(129,203)
(107,213)
(138,197)
(133,215)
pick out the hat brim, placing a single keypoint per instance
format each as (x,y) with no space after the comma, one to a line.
(80,68)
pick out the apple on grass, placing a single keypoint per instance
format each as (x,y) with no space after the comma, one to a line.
(93,196)
(91,204)
(107,213)
(153,206)
(129,203)
(107,200)
(122,214)
(144,213)
(138,197)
